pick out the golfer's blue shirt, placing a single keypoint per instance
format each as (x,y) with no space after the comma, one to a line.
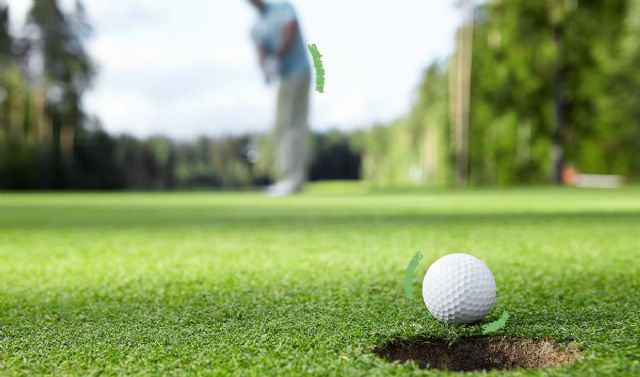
(268,33)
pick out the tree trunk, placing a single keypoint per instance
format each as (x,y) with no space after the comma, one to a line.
(557,149)
(460,97)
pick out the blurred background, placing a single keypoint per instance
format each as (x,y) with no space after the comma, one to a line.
(160,95)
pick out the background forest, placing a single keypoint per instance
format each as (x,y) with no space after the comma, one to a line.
(553,83)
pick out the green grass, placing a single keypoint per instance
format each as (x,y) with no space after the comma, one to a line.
(218,284)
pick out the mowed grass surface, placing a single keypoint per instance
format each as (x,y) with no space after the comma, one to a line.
(218,284)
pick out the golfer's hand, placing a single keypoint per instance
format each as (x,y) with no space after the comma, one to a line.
(270,68)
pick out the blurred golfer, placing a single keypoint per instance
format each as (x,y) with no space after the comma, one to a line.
(283,55)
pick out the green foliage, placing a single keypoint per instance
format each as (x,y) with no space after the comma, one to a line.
(317,64)
(42,119)
(67,74)
(521,49)
(518,43)
(408,275)
(413,150)
(333,157)
(19,148)
(496,325)
(214,163)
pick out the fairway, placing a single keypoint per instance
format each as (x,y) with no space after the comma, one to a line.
(240,284)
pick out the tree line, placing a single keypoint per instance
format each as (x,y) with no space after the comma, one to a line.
(552,84)
(532,87)
(47,141)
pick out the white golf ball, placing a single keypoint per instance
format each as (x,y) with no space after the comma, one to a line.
(459,288)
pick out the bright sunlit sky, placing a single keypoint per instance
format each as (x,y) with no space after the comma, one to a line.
(187,68)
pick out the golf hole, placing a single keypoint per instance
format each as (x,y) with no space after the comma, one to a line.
(479,353)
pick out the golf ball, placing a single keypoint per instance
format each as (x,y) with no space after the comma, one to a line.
(459,288)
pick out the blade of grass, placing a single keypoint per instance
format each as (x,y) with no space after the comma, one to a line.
(496,325)
(408,277)
(317,63)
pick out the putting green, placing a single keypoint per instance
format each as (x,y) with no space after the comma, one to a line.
(216,284)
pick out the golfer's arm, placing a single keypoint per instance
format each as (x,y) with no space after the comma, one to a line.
(289,33)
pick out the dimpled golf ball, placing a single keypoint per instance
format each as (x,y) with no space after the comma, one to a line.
(459,288)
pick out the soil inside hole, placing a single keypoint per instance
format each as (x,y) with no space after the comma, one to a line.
(480,353)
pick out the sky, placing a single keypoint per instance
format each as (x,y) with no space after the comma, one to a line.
(188,68)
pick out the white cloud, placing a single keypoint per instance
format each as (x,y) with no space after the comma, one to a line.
(188,68)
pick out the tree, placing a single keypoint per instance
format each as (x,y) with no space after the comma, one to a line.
(6,41)
(58,40)
(552,83)
(460,101)
(540,69)
(618,113)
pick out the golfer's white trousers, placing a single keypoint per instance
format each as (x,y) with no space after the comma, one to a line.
(292,128)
